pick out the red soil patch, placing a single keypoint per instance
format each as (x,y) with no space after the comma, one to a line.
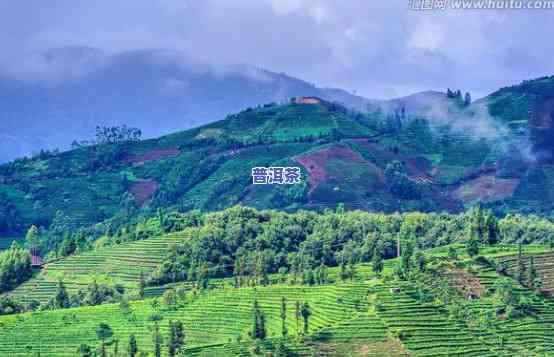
(315,162)
(151,155)
(467,285)
(143,190)
(486,189)
(415,165)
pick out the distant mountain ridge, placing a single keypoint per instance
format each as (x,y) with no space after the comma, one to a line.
(56,96)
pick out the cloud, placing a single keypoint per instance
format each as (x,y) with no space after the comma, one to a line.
(381,49)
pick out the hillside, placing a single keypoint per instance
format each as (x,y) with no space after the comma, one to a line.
(343,156)
(59,95)
(120,264)
(366,317)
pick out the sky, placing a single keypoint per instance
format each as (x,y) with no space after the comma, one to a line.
(379,49)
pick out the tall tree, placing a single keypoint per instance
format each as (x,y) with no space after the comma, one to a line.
(104,333)
(176,338)
(520,264)
(132,348)
(377,260)
(306,313)
(32,239)
(490,229)
(467,99)
(284,331)
(472,247)
(142,285)
(258,331)
(157,340)
(297,316)
(476,224)
(61,299)
(532,274)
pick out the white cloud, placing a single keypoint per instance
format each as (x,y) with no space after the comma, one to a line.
(427,36)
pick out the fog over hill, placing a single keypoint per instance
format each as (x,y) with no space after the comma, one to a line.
(53,97)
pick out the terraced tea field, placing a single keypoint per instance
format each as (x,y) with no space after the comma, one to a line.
(211,320)
(120,264)
(426,330)
(544,263)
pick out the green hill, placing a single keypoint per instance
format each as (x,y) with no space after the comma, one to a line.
(119,264)
(343,156)
(362,318)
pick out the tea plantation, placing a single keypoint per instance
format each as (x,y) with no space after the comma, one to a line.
(368,316)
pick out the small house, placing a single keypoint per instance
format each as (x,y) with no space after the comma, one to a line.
(306,100)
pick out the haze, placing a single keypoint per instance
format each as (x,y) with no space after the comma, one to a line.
(379,49)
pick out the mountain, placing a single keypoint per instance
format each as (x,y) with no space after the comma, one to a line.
(418,103)
(51,98)
(167,261)
(371,161)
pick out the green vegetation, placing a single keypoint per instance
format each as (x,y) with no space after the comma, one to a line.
(313,283)
(369,161)
(163,246)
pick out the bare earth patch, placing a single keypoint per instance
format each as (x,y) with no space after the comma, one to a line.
(390,348)
(143,190)
(468,285)
(487,189)
(315,162)
(151,155)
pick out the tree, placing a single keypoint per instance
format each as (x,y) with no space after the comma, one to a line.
(125,307)
(32,238)
(377,261)
(491,232)
(61,299)
(420,261)
(176,338)
(169,298)
(472,247)
(103,332)
(352,271)
(476,225)
(321,274)
(343,270)
(94,296)
(157,340)
(116,347)
(281,350)
(84,350)
(532,275)
(467,99)
(306,313)
(520,275)
(132,348)
(258,324)
(397,179)
(297,316)
(284,331)
(142,285)
(452,253)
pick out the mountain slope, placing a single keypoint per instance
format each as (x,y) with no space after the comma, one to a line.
(370,161)
(367,316)
(61,95)
(343,156)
